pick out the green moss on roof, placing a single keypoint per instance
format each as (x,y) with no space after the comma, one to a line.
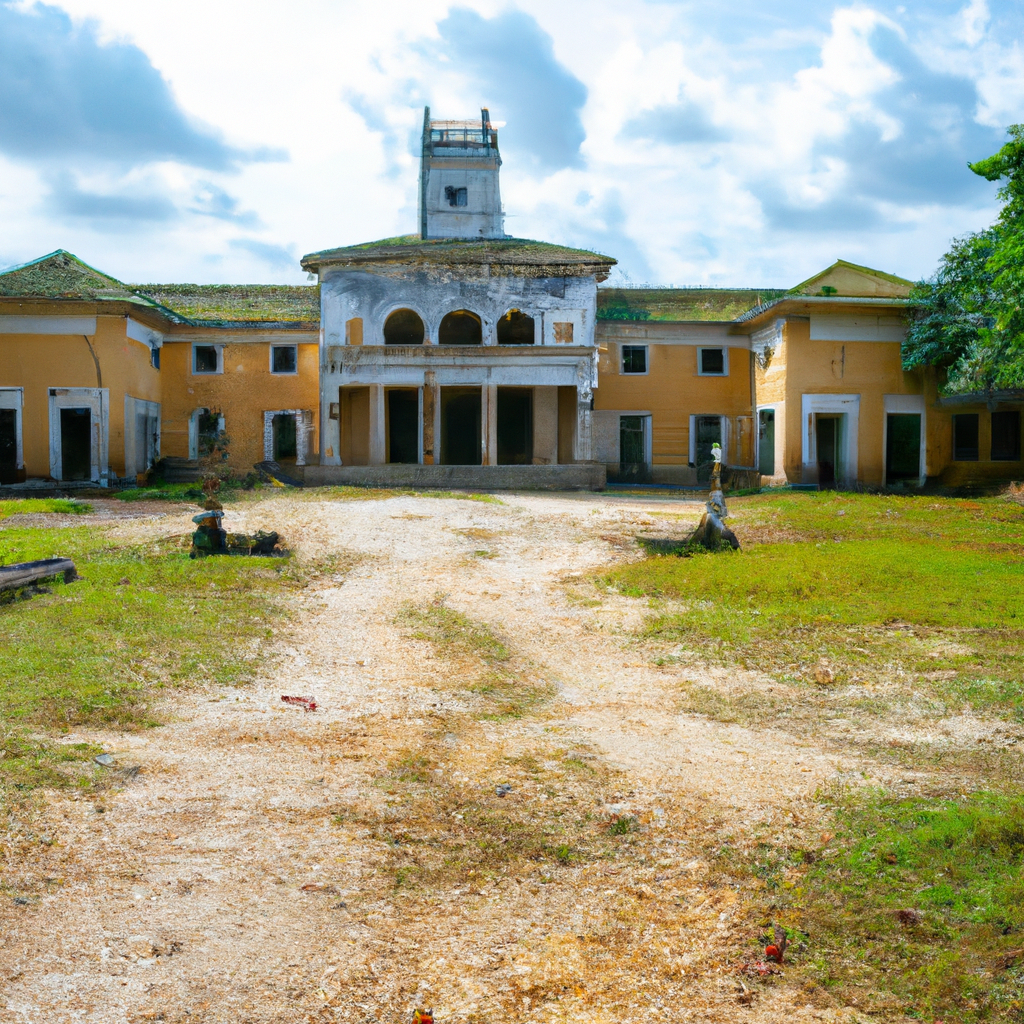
(62,275)
(237,303)
(522,253)
(679,303)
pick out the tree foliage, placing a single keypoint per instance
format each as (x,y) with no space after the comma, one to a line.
(969,319)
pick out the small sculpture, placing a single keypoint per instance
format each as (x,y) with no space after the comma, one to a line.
(712,533)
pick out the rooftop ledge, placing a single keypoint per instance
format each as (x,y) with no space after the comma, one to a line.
(522,257)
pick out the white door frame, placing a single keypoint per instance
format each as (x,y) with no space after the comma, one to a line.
(133,407)
(914,405)
(832,405)
(14,398)
(303,433)
(97,401)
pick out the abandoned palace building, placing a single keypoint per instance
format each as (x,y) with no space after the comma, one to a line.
(460,356)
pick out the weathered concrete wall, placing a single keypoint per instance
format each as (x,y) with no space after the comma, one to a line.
(105,357)
(242,393)
(583,477)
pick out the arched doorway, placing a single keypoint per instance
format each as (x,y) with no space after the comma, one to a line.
(515,328)
(461,328)
(403,327)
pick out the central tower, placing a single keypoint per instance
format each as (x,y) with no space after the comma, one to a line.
(459,194)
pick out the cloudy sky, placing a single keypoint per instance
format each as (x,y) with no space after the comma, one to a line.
(723,143)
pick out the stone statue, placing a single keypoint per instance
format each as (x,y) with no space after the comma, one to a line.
(712,533)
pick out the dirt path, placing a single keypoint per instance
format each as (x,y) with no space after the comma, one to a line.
(249,872)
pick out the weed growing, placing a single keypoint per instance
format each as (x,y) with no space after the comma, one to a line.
(916,906)
(29,506)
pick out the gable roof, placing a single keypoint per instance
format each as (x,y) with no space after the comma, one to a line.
(851,279)
(522,257)
(62,275)
(236,304)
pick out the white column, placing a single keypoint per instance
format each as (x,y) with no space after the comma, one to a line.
(377,452)
(582,445)
(489,425)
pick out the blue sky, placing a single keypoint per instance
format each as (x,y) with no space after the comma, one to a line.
(699,143)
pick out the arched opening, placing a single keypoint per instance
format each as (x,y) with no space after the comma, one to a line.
(461,328)
(403,327)
(515,328)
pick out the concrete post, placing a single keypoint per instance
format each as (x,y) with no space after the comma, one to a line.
(583,448)
(489,425)
(431,403)
(545,426)
(378,456)
(330,427)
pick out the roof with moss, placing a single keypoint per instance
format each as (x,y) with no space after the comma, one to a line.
(62,275)
(679,304)
(520,256)
(213,304)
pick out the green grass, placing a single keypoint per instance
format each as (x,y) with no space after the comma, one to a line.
(957,867)
(27,506)
(922,586)
(144,617)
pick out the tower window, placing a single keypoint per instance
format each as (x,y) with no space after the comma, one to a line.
(456,196)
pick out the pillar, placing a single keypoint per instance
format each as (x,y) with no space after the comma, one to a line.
(431,413)
(377,453)
(545,426)
(583,448)
(489,425)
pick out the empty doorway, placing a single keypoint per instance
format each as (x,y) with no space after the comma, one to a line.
(633,465)
(285,437)
(76,444)
(8,446)
(515,426)
(708,433)
(403,425)
(902,448)
(766,442)
(460,426)
(829,438)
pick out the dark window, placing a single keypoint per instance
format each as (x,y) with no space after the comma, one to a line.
(902,447)
(205,359)
(965,437)
(515,328)
(456,196)
(712,360)
(8,446)
(403,426)
(284,358)
(285,439)
(634,358)
(403,327)
(1006,436)
(154,358)
(515,426)
(75,444)
(632,449)
(460,328)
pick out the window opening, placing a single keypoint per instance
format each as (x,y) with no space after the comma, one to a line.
(712,361)
(515,328)
(154,358)
(460,328)
(829,436)
(902,447)
(515,426)
(1006,436)
(634,358)
(563,332)
(8,446)
(456,196)
(965,437)
(403,327)
(76,444)
(284,358)
(766,442)
(205,357)
(403,426)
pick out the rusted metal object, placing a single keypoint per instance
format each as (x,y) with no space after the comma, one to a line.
(23,574)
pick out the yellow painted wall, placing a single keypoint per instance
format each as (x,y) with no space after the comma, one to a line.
(672,391)
(242,393)
(38,362)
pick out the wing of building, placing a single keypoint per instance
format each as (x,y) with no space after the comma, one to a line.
(460,356)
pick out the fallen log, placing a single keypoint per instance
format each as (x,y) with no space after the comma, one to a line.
(22,574)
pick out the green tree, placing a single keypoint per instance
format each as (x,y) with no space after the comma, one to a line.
(969,320)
